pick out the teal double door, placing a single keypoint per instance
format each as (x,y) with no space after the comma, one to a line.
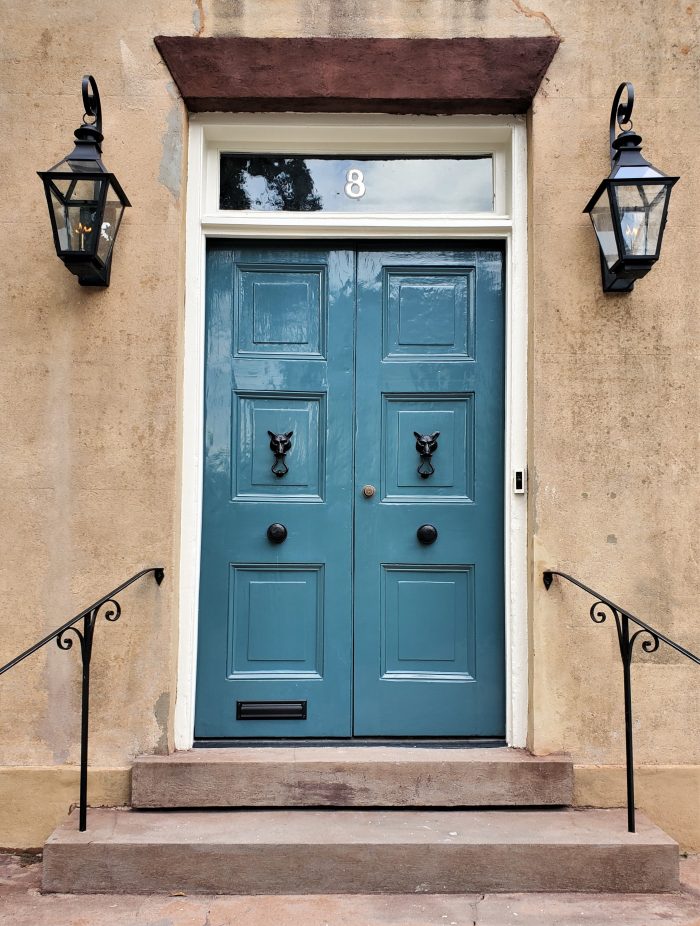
(352,576)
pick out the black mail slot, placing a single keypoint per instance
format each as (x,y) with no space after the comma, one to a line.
(270,710)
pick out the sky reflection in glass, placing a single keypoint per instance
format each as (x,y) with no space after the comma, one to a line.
(273,183)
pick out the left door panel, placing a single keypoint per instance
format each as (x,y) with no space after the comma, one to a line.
(275,619)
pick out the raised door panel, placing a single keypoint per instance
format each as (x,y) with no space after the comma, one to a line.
(258,416)
(262,328)
(275,622)
(427,623)
(428,313)
(451,419)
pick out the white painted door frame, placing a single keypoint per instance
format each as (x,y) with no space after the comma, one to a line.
(503,137)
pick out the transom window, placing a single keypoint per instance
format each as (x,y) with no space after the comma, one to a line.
(377,184)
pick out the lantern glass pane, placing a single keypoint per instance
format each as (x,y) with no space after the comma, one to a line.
(74,187)
(63,185)
(76,191)
(81,229)
(110,224)
(85,191)
(641,209)
(59,217)
(601,216)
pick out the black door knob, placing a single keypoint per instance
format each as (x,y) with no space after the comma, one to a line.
(277,533)
(427,534)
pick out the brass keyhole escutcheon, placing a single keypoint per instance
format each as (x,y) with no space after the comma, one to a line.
(368,491)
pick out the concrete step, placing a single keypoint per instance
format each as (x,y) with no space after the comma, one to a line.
(358,851)
(351,776)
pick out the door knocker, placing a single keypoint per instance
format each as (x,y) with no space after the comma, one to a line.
(280,445)
(426,445)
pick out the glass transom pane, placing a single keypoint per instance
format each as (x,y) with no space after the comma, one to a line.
(294,183)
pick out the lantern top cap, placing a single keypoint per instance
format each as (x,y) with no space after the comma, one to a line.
(626,140)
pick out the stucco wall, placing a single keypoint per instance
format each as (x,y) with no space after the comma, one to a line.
(90,383)
(614,393)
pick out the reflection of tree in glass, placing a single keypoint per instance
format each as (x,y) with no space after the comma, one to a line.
(286,186)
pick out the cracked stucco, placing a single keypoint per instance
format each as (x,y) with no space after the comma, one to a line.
(536,14)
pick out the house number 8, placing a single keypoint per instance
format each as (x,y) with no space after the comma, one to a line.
(355,186)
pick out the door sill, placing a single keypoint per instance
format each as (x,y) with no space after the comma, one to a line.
(467,742)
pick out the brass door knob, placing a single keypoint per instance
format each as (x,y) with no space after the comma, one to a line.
(368,491)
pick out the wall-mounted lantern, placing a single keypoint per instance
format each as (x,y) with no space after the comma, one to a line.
(628,210)
(85,201)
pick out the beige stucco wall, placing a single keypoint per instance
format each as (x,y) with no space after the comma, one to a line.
(90,383)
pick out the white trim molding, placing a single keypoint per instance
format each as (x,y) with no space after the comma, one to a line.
(506,140)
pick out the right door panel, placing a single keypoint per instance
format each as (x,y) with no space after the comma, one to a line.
(429,616)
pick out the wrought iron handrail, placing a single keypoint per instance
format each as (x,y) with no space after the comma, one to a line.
(626,643)
(85,638)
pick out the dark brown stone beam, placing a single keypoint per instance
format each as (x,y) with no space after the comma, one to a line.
(423,76)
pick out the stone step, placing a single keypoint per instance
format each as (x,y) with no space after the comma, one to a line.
(351,776)
(358,851)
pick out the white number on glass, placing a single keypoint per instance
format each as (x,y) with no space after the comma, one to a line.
(355,186)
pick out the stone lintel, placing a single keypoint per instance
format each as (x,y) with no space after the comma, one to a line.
(368,75)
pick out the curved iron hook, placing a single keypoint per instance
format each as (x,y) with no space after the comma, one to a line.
(599,617)
(620,112)
(91,102)
(65,643)
(649,646)
(112,615)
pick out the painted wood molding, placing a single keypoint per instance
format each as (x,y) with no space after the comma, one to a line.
(421,76)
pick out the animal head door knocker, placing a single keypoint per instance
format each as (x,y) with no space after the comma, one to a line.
(426,445)
(280,445)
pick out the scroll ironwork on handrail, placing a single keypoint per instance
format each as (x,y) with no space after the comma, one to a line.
(64,637)
(650,639)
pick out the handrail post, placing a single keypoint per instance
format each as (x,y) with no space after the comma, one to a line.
(64,642)
(626,653)
(85,637)
(86,653)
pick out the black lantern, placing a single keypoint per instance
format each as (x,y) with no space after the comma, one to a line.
(86,202)
(628,210)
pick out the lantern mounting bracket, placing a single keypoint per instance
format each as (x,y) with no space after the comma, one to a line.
(91,102)
(621,113)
